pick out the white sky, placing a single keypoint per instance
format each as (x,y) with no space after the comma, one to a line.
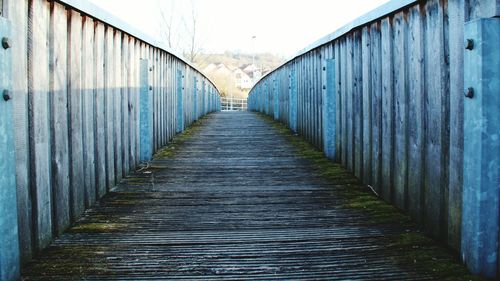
(281,26)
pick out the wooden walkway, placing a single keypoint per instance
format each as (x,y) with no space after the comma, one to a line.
(233,199)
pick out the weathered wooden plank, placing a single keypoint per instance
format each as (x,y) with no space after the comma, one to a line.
(339,102)
(109,86)
(17,12)
(278,220)
(387,109)
(350,104)
(117,104)
(38,91)
(125,104)
(59,117)
(77,179)
(367,140)
(416,107)
(88,91)
(9,253)
(455,181)
(344,98)
(357,105)
(434,150)
(100,110)
(400,169)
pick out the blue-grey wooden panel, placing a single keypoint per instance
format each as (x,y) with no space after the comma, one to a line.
(9,246)
(146,130)
(480,228)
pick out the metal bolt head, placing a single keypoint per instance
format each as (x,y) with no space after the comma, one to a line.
(150,88)
(469,93)
(6,95)
(6,43)
(150,69)
(469,44)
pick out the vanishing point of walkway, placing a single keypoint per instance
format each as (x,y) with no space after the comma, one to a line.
(233,199)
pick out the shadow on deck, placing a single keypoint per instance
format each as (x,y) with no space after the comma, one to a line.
(238,197)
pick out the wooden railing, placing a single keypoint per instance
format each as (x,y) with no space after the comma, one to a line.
(384,96)
(92,98)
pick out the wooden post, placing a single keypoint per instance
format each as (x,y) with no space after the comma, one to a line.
(180,103)
(329,108)
(9,244)
(146,137)
(480,214)
(293,98)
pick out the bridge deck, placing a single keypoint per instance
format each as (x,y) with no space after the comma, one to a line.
(234,199)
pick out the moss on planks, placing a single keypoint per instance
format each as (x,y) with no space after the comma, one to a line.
(79,261)
(98,227)
(413,247)
(170,150)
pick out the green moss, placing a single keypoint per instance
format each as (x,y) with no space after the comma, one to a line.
(419,251)
(171,150)
(79,261)
(98,227)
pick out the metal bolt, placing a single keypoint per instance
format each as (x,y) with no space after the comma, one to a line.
(6,95)
(150,88)
(469,44)
(324,68)
(324,87)
(469,93)
(6,43)
(150,69)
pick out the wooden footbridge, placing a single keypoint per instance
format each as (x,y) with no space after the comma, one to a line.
(373,154)
(235,198)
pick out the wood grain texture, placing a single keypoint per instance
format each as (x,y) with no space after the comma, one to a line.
(18,15)
(59,117)
(400,110)
(262,212)
(75,106)
(39,114)
(416,87)
(100,110)
(387,95)
(88,105)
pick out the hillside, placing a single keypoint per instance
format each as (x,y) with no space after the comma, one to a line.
(234,64)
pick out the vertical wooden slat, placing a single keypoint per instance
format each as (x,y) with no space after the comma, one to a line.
(59,117)
(357,107)
(125,105)
(88,92)
(367,139)
(455,182)
(117,104)
(38,88)
(77,190)
(109,86)
(434,166)
(344,97)
(415,112)
(100,110)
(387,108)
(400,171)
(17,11)
(338,102)
(349,105)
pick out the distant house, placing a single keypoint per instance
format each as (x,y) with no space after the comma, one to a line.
(222,69)
(210,68)
(242,79)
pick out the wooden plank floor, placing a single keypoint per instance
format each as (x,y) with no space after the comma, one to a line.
(233,201)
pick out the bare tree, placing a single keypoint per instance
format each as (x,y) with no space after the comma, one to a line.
(169,24)
(179,28)
(194,44)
